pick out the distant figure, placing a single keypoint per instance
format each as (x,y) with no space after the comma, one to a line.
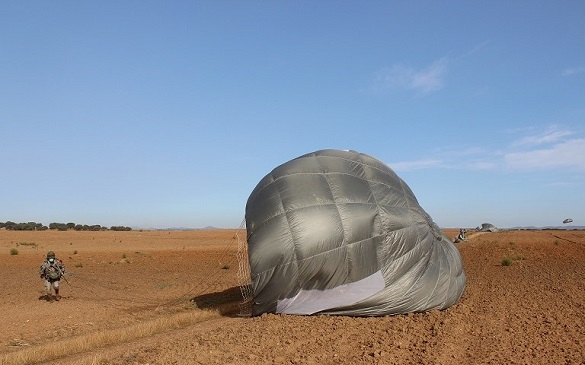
(52,270)
(461,236)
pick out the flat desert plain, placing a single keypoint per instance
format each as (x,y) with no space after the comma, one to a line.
(172,297)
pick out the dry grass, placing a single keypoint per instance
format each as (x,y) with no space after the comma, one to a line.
(93,341)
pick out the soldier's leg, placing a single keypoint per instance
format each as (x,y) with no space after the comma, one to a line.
(56,286)
(48,288)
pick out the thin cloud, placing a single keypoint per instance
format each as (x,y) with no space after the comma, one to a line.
(565,154)
(481,165)
(457,151)
(423,81)
(552,135)
(564,184)
(476,48)
(569,71)
(415,165)
(447,164)
(551,149)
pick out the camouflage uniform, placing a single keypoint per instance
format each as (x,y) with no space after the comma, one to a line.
(52,270)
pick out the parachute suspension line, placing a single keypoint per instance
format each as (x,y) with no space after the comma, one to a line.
(244,278)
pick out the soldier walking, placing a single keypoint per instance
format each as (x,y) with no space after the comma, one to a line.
(52,270)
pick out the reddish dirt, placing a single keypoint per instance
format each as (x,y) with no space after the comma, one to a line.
(531,312)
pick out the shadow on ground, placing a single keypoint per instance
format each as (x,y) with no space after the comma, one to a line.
(50,298)
(227,302)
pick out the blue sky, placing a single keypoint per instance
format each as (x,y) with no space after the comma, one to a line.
(168,113)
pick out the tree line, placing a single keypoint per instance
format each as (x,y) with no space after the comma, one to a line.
(34,226)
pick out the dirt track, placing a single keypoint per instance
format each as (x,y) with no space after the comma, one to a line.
(531,312)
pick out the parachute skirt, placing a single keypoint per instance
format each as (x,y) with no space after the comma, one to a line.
(339,232)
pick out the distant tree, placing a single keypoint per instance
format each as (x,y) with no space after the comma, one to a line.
(29,226)
(58,226)
(9,225)
(120,228)
(34,226)
(18,227)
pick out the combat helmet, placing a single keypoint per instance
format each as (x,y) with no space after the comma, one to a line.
(50,255)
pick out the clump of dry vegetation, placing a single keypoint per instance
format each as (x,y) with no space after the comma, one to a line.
(95,340)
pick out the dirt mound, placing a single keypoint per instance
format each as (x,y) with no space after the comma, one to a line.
(523,304)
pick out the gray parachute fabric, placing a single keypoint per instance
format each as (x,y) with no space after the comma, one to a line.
(338,232)
(487,227)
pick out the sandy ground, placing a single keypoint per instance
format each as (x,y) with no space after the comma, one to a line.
(531,312)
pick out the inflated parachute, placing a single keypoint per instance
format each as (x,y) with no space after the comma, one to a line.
(486,227)
(338,232)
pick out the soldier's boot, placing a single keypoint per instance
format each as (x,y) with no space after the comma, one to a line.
(57,296)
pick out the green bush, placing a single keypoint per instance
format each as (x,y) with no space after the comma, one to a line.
(506,261)
(13,251)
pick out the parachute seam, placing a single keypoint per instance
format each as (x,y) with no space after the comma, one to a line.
(359,160)
(379,208)
(420,277)
(431,263)
(368,180)
(405,252)
(452,276)
(286,211)
(322,253)
(343,226)
(290,231)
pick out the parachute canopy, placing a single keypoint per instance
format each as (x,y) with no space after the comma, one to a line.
(339,232)
(486,227)
(568,220)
